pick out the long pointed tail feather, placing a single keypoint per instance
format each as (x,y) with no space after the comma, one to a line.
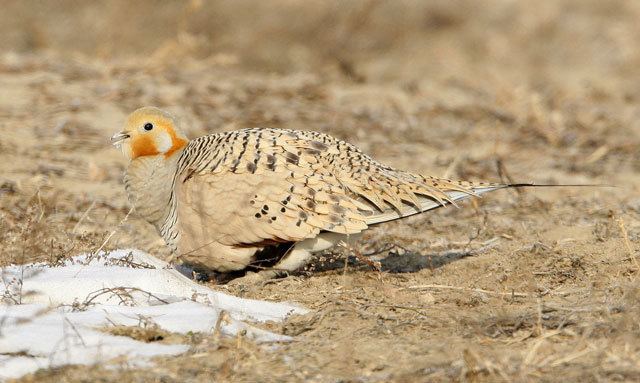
(428,203)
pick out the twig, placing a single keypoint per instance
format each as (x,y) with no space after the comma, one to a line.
(532,352)
(399,307)
(493,242)
(114,231)
(95,253)
(127,261)
(73,327)
(598,154)
(584,309)
(503,173)
(84,215)
(539,322)
(217,329)
(123,293)
(627,243)
(446,287)
(572,357)
(356,253)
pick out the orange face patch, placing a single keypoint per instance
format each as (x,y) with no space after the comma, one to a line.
(143,146)
(177,143)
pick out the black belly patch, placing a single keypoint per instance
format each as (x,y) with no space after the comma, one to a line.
(265,258)
(269,256)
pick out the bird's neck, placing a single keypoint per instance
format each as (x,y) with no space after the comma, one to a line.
(150,186)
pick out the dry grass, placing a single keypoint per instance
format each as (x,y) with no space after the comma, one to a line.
(146,333)
(37,228)
(518,286)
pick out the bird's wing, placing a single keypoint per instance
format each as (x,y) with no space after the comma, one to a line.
(258,187)
(261,186)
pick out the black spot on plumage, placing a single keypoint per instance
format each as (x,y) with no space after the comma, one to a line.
(303,216)
(273,218)
(311,204)
(312,152)
(338,209)
(265,207)
(335,219)
(258,215)
(292,158)
(283,210)
(251,167)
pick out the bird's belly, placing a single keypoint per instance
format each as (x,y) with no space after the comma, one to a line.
(212,255)
(202,245)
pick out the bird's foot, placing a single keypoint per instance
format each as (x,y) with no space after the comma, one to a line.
(206,276)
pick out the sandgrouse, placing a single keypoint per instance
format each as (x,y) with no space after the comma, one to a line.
(222,200)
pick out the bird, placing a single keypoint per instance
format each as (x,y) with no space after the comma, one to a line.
(224,200)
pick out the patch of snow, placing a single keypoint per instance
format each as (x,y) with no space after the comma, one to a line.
(50,315)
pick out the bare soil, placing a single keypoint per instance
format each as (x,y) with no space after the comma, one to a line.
(521,285)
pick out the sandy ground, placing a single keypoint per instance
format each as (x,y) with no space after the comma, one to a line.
(531,285)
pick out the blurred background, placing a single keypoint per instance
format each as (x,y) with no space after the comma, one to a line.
(531,43)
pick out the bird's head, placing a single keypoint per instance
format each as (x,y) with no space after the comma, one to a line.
(150,131)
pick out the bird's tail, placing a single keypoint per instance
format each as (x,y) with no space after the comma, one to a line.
(462,191)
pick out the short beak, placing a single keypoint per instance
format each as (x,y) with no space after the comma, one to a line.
(118,138)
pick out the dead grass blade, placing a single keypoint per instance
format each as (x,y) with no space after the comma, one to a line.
(482,291)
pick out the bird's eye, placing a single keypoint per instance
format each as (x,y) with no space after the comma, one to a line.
(148,126)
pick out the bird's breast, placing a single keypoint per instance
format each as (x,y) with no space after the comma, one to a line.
(150,186)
